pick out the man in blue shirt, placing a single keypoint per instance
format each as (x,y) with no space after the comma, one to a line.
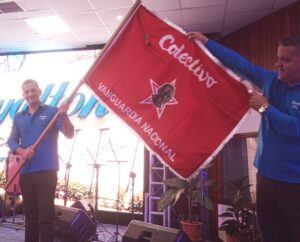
(38,177)
(278,152)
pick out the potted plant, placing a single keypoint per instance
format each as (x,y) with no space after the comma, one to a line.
(195,191)
(241,222)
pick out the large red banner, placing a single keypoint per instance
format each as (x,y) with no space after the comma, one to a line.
(179,101)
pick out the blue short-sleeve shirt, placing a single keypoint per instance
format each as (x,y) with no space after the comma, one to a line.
(25,131)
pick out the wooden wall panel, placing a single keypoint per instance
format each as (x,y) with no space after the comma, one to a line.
(258,41)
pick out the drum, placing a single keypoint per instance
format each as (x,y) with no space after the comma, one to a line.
(12,163)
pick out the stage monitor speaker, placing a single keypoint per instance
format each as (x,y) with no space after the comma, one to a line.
(73,224)
(138,231)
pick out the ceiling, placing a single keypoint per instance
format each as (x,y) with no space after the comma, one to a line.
(92,22)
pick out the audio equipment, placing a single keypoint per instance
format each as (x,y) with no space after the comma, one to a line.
(73,224)
(138,231)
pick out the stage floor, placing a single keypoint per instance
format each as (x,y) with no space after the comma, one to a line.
(13,231)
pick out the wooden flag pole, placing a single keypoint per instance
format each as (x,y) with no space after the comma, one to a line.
(37,142)
(22,161)
(111,39)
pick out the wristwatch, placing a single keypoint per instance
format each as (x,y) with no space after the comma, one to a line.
(263,108)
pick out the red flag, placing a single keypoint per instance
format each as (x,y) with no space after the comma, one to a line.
(181,103)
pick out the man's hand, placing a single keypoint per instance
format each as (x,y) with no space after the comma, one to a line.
(197,36)
(26,153)
(63,108)
(257,100)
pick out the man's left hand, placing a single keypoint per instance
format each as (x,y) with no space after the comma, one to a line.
(257,100)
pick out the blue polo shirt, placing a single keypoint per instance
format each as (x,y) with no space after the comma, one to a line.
(278,151)
(25,131)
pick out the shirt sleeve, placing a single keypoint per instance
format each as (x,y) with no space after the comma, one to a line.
(285,124)
(241,66)
(14,137)
(59,123)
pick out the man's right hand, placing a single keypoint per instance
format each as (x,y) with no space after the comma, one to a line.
(26,153)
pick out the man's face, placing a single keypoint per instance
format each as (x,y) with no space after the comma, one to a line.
(165,93)
(288,64)
(31,93)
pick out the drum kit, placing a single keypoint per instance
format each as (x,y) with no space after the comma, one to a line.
(10,198)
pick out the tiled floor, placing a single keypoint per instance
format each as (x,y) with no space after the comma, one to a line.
(13,231)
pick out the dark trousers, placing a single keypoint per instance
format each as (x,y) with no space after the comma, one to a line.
(278,210)
(38,192)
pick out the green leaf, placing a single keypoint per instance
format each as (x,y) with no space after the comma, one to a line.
(178,194)
(167,198)
(175,182)
(208,203)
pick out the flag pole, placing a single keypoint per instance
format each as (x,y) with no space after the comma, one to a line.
(134,7)
(22,161)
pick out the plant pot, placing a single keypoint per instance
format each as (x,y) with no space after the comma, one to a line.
(192,229)
(232,238)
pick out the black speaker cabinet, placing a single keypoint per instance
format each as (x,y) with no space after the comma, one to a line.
(73,224)
(138,231)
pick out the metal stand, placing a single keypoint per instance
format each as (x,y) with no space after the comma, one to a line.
(116,233)
(132,176)
(12,224)
(95,210)
(68,168)
(96,168)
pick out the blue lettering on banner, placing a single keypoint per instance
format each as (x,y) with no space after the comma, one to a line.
(6,109)
(79,104)
(81,108)
(14,109)
(59,94)
(85,110)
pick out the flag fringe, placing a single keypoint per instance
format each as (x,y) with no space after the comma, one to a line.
(232,74)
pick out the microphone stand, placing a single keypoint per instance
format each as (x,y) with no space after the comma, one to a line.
(68,168)
(116,236)
(132,176)
(96,166)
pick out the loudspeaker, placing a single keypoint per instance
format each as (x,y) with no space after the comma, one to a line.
(138,231)
(73,224)
(79,205)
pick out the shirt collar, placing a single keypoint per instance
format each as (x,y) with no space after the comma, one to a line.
(293,86)
(26,110)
